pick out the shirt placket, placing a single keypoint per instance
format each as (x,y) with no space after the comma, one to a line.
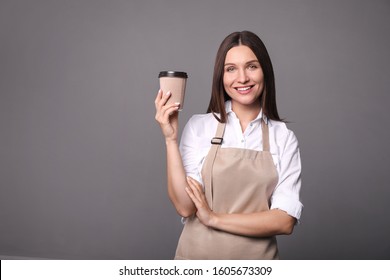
(237,130)
(243,137)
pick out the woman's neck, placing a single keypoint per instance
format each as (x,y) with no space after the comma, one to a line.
(246,113)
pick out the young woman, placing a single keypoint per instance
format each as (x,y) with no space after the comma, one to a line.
(236,176)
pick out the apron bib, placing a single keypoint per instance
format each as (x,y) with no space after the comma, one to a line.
(236,181)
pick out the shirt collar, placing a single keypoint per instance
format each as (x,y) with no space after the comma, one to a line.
(228,109)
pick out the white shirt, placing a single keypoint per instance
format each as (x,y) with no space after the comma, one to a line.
(200,129)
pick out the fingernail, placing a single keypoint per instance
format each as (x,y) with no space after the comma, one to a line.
(177,103)
(168,93)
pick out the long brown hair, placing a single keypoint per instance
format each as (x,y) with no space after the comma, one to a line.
(218,93)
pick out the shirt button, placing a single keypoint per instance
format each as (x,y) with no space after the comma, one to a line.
(242,141)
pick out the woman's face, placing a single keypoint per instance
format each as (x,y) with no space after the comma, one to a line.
(243,77)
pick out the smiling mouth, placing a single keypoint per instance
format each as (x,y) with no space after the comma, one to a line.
(243,89)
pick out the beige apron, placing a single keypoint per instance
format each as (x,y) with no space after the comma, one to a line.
(236,181)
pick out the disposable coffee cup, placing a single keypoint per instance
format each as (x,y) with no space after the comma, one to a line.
(175,82)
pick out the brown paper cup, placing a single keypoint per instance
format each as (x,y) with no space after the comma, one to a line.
(175,82)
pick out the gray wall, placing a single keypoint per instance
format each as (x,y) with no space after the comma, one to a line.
(82,161)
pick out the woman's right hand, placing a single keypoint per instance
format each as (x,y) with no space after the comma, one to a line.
(167,115)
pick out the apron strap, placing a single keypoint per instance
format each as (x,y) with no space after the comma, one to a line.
(264,128)
(216,143)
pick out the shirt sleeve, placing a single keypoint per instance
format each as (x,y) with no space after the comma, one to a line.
(189,150)
(286,193)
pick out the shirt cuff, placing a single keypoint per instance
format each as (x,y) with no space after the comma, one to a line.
(293,207)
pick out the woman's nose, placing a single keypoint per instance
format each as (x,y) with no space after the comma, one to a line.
(242,76)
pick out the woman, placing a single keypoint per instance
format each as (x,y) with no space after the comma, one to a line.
(236,176)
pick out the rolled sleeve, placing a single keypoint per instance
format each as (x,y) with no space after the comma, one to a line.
(189,150)
(286,193)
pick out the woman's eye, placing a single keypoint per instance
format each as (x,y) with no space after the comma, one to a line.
(230,69)
(252,66)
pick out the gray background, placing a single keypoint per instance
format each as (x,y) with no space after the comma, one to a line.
(82,160)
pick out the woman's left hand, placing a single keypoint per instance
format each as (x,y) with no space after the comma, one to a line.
(195,192)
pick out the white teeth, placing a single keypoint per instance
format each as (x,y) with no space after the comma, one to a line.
(243,89)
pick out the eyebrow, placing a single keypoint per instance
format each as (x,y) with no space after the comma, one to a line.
(248,62)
